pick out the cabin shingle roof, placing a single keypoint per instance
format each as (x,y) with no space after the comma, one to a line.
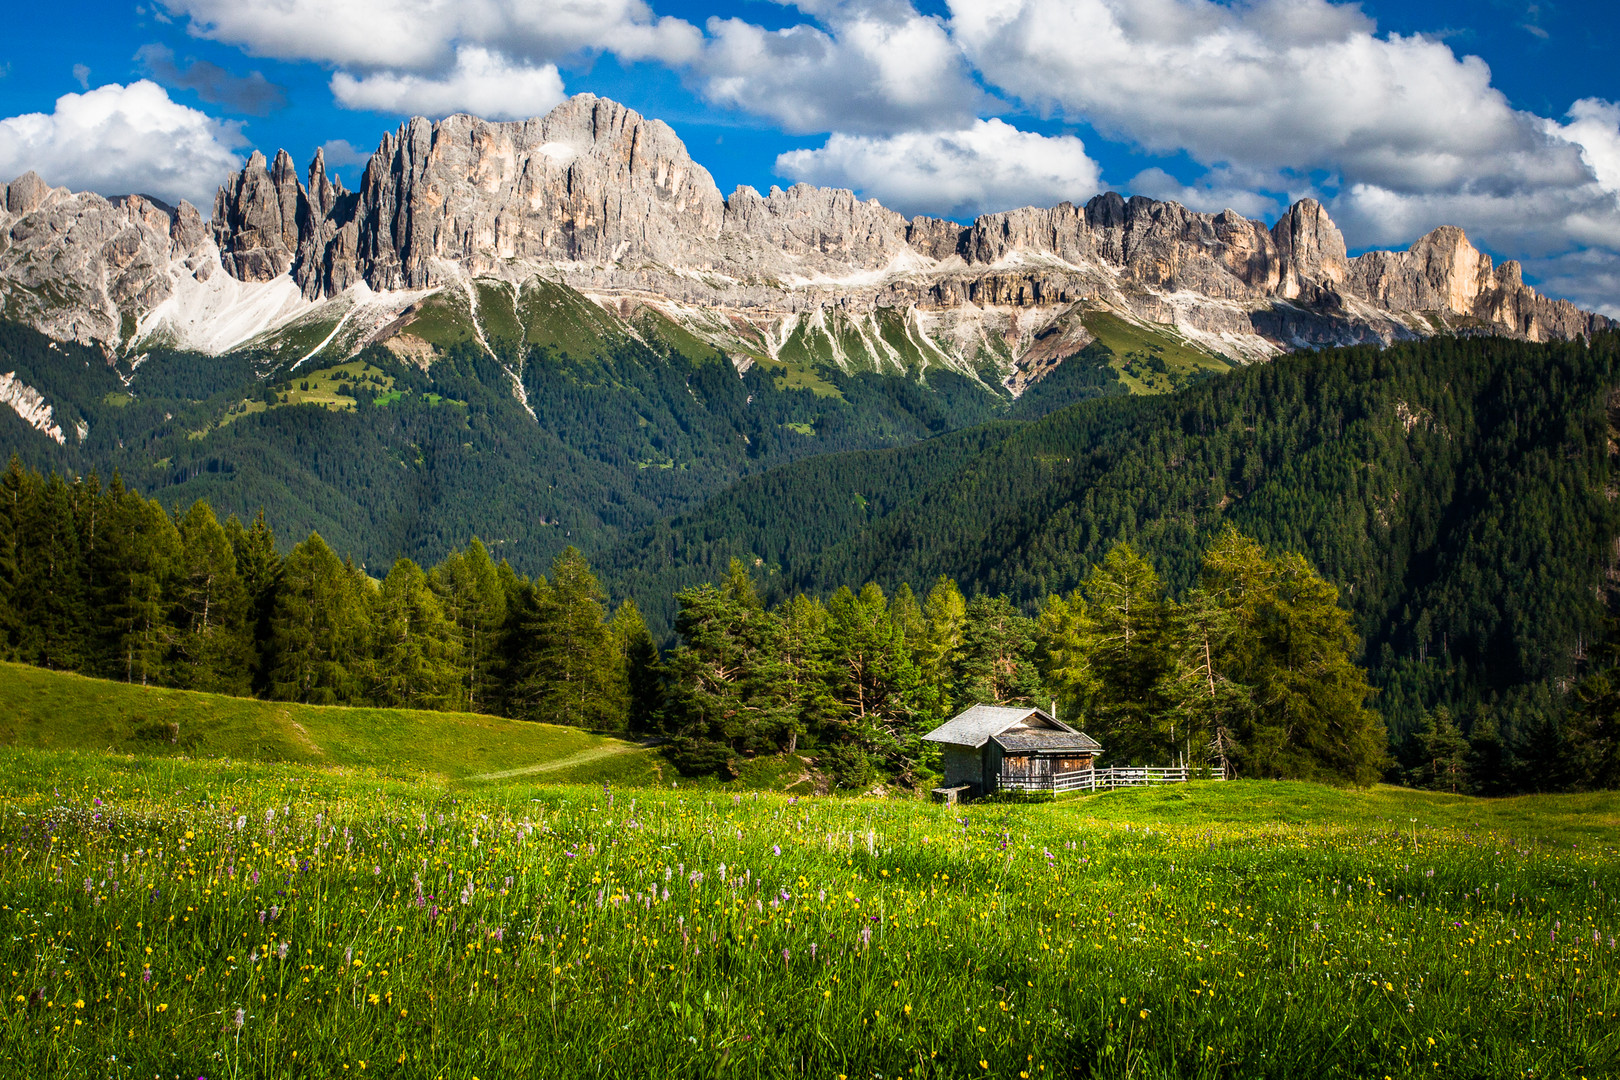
(978,725)
(1035,741)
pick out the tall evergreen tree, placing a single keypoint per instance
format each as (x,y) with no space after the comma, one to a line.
(214,647)
(1444,749)
(17,492)
(320,628)
(638,657)
(873,678)
(725,692)
(996,662)
(1108,651)
(469,584)
(258,565)
(53,614)
(569,673)
(1293,649)
(945,611)
(417,659)
(136,555)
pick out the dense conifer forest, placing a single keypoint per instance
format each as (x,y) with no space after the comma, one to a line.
(1252,672)
(383,458)
(1461,493)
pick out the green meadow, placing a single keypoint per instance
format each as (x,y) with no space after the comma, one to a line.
(176,914)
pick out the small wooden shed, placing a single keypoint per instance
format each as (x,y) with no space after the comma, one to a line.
(991,748)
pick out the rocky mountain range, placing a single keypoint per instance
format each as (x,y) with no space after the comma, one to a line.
(605,202)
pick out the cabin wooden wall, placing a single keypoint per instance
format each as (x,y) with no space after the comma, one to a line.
(963,766)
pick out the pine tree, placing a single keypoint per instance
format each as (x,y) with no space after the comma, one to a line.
(996,661)
(873,678)
(1108,650)
(214,647)
(725,687)
(638,657)
(258,565)
(569,674)
(52,611)
(320,628)
(470,586)
(417,652)
(136,556)
(1292,650)
(17,488)
(1445,749)
(1208,706)
(805,650)
(945,611)
(907,614)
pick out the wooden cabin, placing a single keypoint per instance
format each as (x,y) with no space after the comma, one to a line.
(989,748)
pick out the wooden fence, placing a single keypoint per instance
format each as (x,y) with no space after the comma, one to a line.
(1102,779)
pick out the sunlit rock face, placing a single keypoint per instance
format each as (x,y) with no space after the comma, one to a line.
(597,197)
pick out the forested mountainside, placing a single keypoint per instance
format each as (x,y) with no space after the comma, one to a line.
(385,458)
(1460,492)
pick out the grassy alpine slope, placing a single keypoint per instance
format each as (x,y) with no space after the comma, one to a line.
(192,918)
(55,710)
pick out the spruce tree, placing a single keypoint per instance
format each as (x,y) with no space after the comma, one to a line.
(470,587)
(873,679)
(214,647)
(417,657)
(638,657)
(1444,764)
(996,662)
(320,629)
(53,611)
(725,690)
(258,565)
(569,674)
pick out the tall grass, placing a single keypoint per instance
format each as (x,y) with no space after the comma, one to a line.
(185,919)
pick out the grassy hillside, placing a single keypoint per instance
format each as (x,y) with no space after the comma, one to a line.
(199,918)
(58,711)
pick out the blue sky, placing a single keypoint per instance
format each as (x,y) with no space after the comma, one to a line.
(1496,115)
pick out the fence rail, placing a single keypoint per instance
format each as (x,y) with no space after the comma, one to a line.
(1102,779)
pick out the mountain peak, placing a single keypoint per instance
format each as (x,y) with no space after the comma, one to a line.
(596,195)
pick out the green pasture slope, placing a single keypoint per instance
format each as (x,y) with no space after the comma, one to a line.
(54,710)
(169,916)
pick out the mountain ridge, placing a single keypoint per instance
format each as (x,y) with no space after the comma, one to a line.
(610,203)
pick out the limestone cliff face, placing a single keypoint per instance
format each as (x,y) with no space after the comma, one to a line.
(611,203)
(73,265)
(592,182)
(256,219)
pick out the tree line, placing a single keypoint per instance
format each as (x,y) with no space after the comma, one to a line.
(1251,670)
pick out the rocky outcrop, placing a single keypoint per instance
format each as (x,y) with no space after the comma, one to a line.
(256,219)
(592,182)
(605,200)
(31,406)
(80,267)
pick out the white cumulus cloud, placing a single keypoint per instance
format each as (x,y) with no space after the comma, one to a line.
(423,35)
(875,67)
(1280,84)
(120,140)
(481,82)
(989,165)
